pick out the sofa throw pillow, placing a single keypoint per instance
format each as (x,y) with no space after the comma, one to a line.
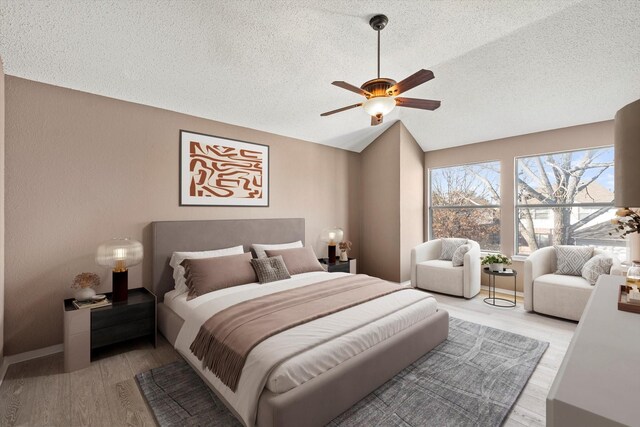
(270,269)
(571,259)
(458,256)
(596,266)
(449,246)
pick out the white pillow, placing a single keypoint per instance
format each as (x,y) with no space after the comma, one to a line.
(259,248)
(178,257)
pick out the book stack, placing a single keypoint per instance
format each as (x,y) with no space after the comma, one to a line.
(91,304)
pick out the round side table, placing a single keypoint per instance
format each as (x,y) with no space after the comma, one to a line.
(500,302)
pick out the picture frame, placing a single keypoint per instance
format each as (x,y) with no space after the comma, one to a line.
(218,171)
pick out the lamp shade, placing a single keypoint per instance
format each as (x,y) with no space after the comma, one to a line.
(119,254)
(627,156)
(379,105)
(332,236)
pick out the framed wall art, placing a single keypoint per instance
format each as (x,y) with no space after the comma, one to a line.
(217,171)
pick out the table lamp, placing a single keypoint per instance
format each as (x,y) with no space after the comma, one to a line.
(119,254)
(332,236)
(627,152)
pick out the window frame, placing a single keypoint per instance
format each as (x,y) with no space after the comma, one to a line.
(430,205)
(517,206)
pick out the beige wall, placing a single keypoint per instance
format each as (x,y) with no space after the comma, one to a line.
(505,150)
(392,203)
(1,211)
(411,199)
(82,168)
(380,215)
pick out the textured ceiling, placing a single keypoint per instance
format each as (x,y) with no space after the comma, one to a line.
(502,68)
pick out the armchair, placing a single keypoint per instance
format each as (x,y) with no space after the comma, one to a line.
(430,273)
(555,294)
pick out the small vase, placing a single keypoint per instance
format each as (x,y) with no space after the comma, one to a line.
(343,256)
(85,294)
(496,267)
(633,247)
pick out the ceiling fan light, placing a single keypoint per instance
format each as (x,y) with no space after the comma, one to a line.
(379,105)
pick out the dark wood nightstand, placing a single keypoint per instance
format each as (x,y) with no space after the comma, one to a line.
(339,266)
(86,330)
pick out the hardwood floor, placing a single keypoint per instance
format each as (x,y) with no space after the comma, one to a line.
(39,393)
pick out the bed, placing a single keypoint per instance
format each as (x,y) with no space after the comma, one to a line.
(308,386)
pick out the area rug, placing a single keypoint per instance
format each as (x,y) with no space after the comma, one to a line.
(471,379)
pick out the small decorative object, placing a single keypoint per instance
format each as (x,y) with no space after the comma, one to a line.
(118,255)
(496,262)
(633,274)
(344,246)
(217,171)
(84,283)
(627,299)
(627,223)
(331,236)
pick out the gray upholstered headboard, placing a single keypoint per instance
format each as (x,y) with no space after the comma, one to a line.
(171,236)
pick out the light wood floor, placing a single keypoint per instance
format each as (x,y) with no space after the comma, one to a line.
(39,393)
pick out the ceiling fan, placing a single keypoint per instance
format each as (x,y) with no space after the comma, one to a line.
(382,93)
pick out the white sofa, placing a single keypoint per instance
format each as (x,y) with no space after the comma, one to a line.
(432,274)
(555,294)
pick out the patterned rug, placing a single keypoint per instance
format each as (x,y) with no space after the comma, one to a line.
(471,379)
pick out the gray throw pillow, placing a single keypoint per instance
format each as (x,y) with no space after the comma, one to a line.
(449,246)
(458,256)
(571,259)
(596,266)
(270,269)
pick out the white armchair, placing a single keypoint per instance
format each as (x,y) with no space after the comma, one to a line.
(430,273)
(555,294)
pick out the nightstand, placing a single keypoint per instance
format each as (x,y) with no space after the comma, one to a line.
(339,266)
(86,330)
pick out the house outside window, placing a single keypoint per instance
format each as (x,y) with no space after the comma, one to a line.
(464,201)
(566,198)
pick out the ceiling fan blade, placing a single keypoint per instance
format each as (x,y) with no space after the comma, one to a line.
(328,113)
(376,120)
(352,88)
(423,104)
(410,82)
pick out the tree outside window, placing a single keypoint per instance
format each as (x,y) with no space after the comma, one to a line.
(566,199)
(465,202)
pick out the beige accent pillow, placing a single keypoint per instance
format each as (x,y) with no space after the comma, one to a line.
(178,257)
(211,274)
(597,266)
(260,248)
(298,260)
(449,246)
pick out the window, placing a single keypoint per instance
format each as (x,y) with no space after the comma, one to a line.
(465,202)
(566,199)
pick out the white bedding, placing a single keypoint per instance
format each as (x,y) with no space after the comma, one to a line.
(297,355)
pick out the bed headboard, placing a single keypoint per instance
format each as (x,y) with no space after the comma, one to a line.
(171,236)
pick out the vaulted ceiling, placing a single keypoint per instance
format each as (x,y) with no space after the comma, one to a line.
(503,68)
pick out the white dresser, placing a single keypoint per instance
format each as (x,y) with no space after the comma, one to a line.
(598,383)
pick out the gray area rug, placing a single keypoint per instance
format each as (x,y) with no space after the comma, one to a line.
(471,379)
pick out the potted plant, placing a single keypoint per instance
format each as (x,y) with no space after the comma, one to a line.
(496,262)
(344,246)
(84,283)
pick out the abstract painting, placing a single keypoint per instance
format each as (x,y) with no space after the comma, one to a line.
(217,171)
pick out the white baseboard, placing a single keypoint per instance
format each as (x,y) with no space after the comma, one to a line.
(27,355)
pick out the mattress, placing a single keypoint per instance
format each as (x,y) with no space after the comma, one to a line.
(297,355)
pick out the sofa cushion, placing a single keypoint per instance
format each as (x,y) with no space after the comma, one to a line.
(440,276)
(571,259)
(597,266)
(449,246)
(458,255)
(561,295)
